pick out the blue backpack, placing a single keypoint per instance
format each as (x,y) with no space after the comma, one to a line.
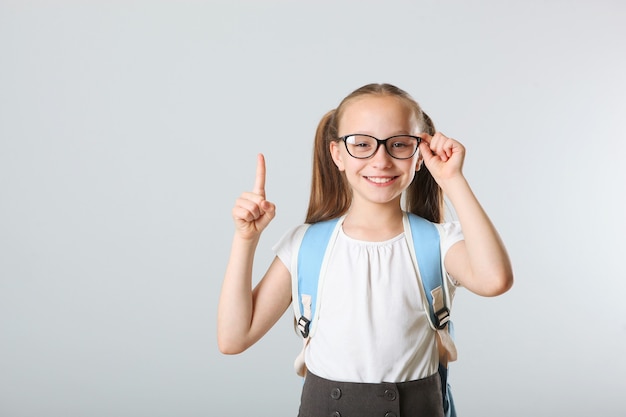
(310,263)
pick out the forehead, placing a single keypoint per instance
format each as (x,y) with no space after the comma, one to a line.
(373,111)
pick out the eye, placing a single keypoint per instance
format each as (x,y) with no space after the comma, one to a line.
(359,141)
(403,142)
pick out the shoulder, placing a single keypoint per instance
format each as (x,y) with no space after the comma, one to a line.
(291,236)
(450,231)
(316,233)
(289,243)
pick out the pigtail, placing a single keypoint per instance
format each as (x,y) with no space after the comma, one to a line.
(330,195)
(424,197)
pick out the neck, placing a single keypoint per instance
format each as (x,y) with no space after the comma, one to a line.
(373,222)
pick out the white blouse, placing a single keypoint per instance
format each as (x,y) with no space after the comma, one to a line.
(372,325)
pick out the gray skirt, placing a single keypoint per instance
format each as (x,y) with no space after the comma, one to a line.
(324,398)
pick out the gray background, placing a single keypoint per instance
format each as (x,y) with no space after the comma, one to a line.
(127,129)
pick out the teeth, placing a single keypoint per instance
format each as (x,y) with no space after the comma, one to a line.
(379,180)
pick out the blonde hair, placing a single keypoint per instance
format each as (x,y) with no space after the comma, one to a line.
(331,195)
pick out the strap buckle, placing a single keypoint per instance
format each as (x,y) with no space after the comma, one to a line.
(303,325)
(442,317)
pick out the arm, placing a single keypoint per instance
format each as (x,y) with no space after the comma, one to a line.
(245,315)
(480,262)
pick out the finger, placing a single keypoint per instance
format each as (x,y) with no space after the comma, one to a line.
(242,215)
(428,144)
(259,183)
(254,197)
(269,209)
(426,138)
(448,147)
(247,211)
(426,152)
(424,147)
(438,145)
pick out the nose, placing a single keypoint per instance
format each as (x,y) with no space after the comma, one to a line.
(381,157)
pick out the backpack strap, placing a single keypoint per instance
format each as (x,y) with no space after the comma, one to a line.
(308,271)
(307,274)
(311,255)
(426,242)
(432,278)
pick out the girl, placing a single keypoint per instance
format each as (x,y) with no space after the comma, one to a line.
(373,353)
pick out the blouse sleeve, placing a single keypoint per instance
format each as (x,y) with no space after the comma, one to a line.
(284,247)
(451,233)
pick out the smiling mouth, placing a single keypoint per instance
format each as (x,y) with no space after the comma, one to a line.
(380,180)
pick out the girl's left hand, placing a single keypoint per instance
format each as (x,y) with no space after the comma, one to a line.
(442,155)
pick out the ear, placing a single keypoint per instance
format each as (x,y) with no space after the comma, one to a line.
(335,153)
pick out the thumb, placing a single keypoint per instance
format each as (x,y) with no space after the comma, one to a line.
(267,207)
(269,212)
(427,154)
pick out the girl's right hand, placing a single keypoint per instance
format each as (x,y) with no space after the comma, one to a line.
(252,212)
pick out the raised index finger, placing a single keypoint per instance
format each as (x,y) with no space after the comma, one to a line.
(259,183)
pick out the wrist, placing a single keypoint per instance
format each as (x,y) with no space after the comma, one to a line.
(247,238)
(453,184)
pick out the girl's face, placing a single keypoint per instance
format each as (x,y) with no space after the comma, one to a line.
(380,179)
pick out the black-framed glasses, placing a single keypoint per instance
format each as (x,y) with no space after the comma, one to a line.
(362,146)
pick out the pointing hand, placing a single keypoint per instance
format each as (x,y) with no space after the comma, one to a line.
(252,212)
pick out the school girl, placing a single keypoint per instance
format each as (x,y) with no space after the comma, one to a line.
(377,156)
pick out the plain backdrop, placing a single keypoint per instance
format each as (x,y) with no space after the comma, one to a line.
(128,128)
